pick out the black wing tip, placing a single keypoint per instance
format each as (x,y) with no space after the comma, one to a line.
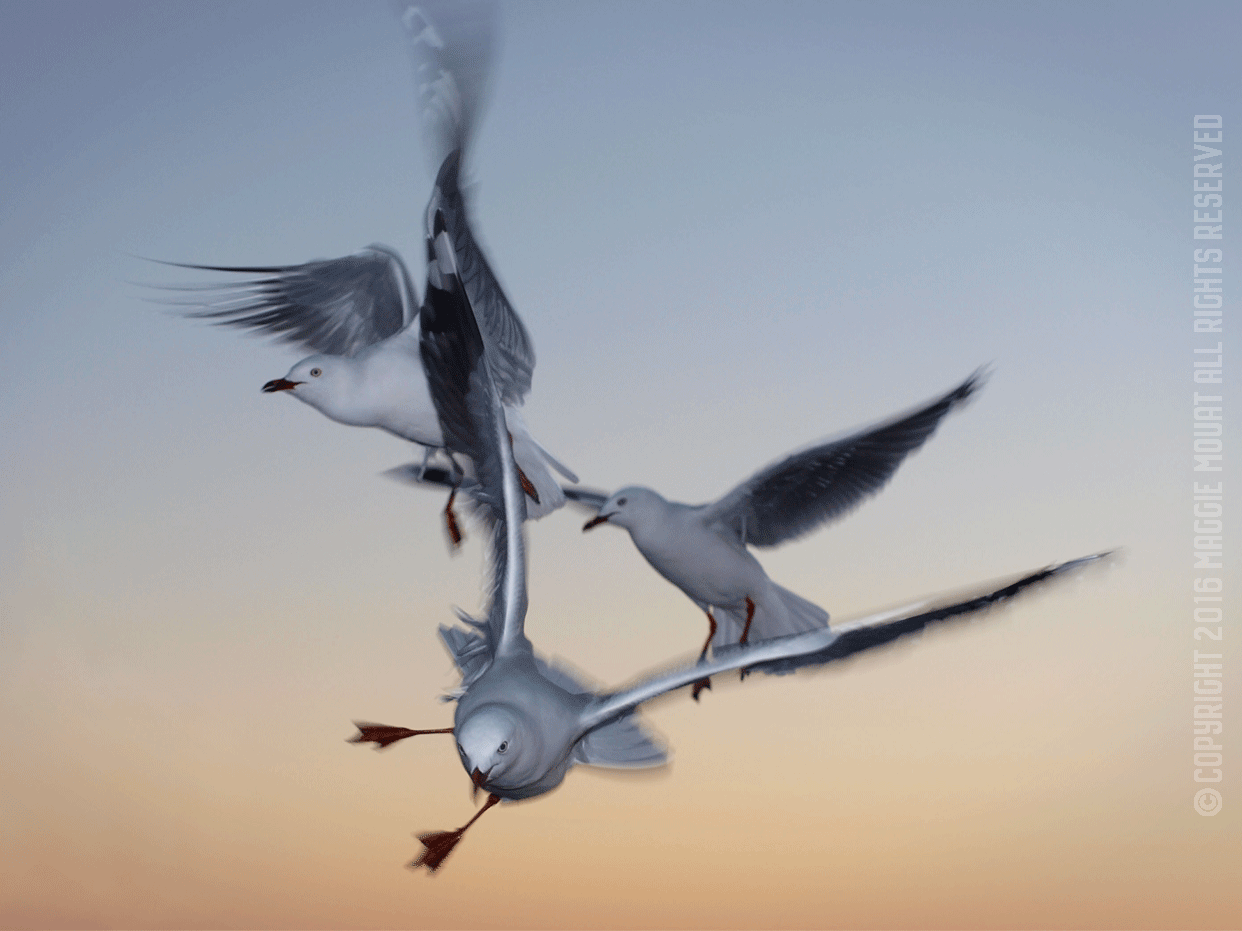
(1047,573)
(1104,558)
(449,175)
(238,269)
(413,474)
(976,380)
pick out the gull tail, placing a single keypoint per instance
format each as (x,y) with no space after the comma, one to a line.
(537,466)
(778,613)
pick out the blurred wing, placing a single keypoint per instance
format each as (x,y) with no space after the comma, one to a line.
(473,420)
(589,499)
(470,648)
(452,44)
(412,473)
(792,497)
(509,349)
(333,306)
(818,647)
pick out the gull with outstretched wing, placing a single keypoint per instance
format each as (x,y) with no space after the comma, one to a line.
(521,723)
(360,316)
(703,549)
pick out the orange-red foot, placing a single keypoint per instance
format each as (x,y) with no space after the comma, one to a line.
(439,844)
(383,734)
(700,686)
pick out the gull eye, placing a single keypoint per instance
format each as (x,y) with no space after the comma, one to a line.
(504,745)
(315,373)
(620,502)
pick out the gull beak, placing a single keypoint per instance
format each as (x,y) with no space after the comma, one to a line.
(280,384)
(478,779)
(595,522)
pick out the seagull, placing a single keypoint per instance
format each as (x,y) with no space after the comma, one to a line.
(703,549)
(359,315)
(522,723)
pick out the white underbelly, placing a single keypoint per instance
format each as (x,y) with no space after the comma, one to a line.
(401,398)
(707,569)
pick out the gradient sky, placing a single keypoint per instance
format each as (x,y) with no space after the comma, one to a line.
(731,229)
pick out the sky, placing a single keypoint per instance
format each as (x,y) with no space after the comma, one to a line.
(731,229)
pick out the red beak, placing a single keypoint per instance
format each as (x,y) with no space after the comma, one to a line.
(280,384)
(478,779)
(595,522)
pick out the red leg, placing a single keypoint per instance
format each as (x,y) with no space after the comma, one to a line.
(750,616)
(450,522)
(382,734)
(439,844)
(526,484)
(711,632)
(528,487)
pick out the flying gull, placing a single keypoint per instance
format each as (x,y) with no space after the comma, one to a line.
(703,549)
(359,315)
(521,723)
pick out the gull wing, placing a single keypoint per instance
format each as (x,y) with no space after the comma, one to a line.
(818,647)
(591,499)
(509,349)
(470,412)
(333,306)
(452,45)
(796,495)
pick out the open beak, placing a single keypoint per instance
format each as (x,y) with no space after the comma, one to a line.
(595,522)
(280,384)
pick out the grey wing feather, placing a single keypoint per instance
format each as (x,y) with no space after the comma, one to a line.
(588,498)
(509,348)
(469,408)
(334,306)
(452,45)
(621,744)
(818,647)
(792,497)
(469,649)
(453,358)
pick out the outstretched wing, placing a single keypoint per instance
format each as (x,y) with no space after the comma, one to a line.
(817,647)
(473,420)
(334,306)
(452,45)
(509,349)
(792,497)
